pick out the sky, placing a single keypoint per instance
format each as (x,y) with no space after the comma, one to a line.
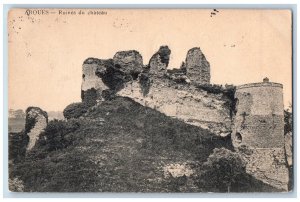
(47,49)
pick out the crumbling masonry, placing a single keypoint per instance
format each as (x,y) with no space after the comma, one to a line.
(253,116)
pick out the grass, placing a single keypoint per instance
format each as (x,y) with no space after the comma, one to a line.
(118,146)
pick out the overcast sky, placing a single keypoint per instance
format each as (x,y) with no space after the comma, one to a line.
(46,52)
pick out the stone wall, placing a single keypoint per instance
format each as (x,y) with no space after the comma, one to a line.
(259,125)
(159,62)
(89,78)
(125,75)
(36,122)
(259,115)
(112,74)
(253,118)
(185,102)
(197,67)
(130,62)
(269,166)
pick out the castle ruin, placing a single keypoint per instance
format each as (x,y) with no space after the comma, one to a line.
(36,122)
(259,125)
(253,115)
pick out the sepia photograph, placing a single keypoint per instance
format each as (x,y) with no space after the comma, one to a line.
(150,100)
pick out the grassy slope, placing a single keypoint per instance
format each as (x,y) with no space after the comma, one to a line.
(119,146)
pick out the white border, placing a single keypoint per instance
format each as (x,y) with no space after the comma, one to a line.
(216,2)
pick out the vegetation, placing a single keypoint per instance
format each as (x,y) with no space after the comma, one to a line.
(116,146)
(288,120)
(224,171)
(75,110)
(228,90)
(89,97)
(56,135)
(120,146)
(17,146)
(288,132)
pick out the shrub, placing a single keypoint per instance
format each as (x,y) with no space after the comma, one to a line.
(56,134)
(215,89)
(89,97)
(228,90)
(75,110)
(288,121)
(222,170)
(17,145)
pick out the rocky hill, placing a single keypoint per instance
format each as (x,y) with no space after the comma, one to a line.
(144,128)
(122,146)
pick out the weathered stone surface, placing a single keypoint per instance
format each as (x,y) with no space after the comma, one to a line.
(259,115)
(36,122)
(158,88)
(177,170)
(255,121)
(89,78)
(92,84)
(269,166)
(159,61)
(129,62)
(113,77)
(259,125)
(192,105)
(197,67)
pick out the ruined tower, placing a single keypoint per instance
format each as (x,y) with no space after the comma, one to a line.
(197,67)
(91,85)
(36,122)
(259,125)
(159,62)
(102,76)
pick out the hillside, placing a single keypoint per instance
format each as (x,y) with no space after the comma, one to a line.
(122,146)
(16,119)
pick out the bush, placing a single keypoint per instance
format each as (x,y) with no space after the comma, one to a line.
(288,121)
(75,110)
(215,89)
(222,170)
(89,97)
(17,145)
(55,134)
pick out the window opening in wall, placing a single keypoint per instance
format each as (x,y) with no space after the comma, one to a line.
(238,137)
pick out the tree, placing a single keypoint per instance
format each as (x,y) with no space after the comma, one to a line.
(288,120)
(221,171)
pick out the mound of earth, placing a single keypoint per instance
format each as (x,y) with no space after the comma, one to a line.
(117,146)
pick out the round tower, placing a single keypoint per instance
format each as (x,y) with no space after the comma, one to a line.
(259,125)
(259,118)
